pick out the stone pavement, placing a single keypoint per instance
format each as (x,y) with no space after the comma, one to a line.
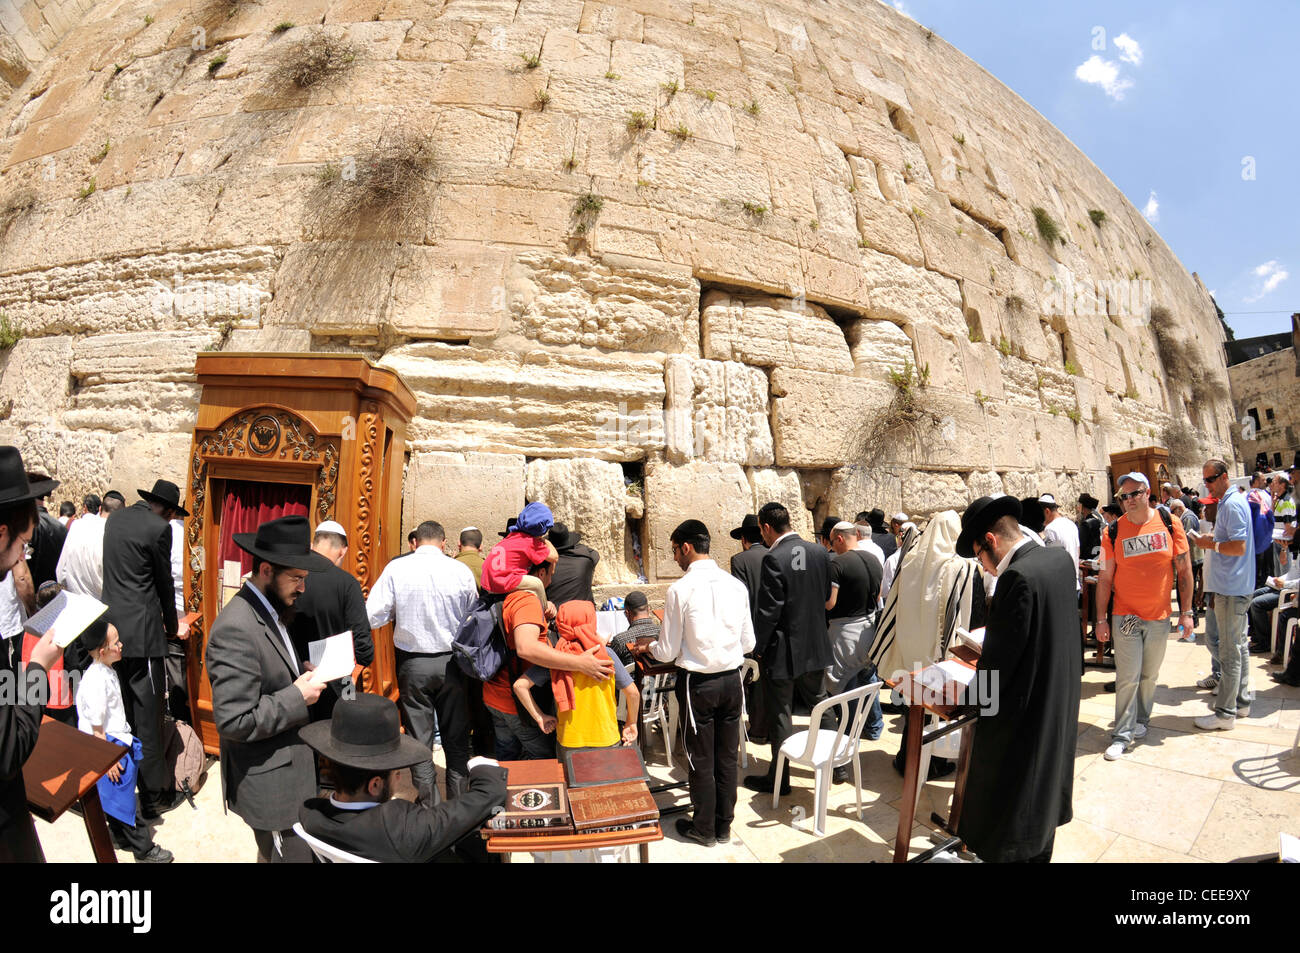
(1181,795)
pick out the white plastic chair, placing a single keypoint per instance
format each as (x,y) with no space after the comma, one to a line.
(654,708)
(1286,642)
(1286,601)
(824,750)
(325,853)
(748,673)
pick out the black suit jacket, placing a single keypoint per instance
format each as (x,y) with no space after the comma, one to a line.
(332,603)
(19,727)
(1021,778)
(790,625)
(399,832)
(138,580)
(47,545)
(573,574)
(747,566)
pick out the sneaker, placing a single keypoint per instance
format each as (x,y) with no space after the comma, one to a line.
(724,835)
(156,855)
(1243,711)
(1209,681)
(1212,722)
(1115,751)
(687,829)
(1139,731)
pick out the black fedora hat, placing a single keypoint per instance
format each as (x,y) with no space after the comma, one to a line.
(748,524)
(1088,500)
(284,542)
(14,485)
(979,516)
(828,524)
(364,733)
(167,493)
(510,527)
(562,537)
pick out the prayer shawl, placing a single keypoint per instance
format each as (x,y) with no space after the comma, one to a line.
(576,622)
(930,598)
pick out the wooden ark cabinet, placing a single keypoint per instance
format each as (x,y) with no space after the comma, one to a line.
(325,432)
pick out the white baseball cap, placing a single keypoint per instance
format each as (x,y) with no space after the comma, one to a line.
(329,526)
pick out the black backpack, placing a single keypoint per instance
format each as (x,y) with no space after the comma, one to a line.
(480,643)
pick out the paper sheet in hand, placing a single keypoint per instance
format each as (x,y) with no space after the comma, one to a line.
(68,614)
(333,657)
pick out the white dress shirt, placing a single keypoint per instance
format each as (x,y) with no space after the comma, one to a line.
(99,703)
(707,626)
(866,544)
(284,633)
(427,594)
(81,563)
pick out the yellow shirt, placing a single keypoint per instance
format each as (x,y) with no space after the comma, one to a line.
(593,722)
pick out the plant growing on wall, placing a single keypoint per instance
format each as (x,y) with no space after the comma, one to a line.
(1047,227)
(9,333)
(318,60)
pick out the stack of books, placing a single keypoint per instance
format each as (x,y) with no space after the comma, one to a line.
(536,801)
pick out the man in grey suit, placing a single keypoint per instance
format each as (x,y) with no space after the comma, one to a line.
(261,690)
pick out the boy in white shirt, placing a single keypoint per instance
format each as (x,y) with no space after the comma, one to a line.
(100,713)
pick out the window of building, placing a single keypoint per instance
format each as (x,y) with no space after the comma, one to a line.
(1277,460)
(1253,413)
(1268,413)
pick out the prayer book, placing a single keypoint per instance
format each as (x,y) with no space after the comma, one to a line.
(604,766)
(974,638)
(943,683)
(612,806)
(67,615)
(332,658)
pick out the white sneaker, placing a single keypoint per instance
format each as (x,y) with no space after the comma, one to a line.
(1139,731)
(1212,722)
(1115,751)
(1209,681)
(1243,711)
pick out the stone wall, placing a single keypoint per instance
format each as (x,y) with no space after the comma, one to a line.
(643,259)
(1269,386)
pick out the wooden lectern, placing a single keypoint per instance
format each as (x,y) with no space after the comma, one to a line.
(318,434)
(1151,461)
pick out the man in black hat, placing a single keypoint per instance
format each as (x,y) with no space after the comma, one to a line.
(575,569)
(880,534)
(823,535)
(747,566)
(47,539)
(138,587)
(20,722)
(365,748)
(1022,759)
(261,689)
(1089,527)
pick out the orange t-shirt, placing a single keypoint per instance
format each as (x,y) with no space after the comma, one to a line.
(519,608)
(1144,567)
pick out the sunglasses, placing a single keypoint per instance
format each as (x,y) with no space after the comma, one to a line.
(1133,495)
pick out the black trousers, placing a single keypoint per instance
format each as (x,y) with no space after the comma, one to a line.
(143,692)
(138,839)
(293,849)
(780,706)
(709,708)
(427,684)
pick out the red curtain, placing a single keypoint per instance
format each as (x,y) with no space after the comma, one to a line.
(247,505)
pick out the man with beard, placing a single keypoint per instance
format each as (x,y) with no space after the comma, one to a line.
(261,690)
(20,724)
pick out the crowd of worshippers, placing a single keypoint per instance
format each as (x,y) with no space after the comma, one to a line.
(865,598)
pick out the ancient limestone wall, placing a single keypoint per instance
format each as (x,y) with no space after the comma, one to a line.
(1269,386)
(647,259)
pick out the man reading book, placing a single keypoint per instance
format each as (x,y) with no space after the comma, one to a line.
(365,748)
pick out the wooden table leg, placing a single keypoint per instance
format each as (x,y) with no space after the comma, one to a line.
(97,827)
(911,770)
(644,851)
(963,769)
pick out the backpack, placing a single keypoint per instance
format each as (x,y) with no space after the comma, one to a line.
(480,644)
(185,757)
(1113,531)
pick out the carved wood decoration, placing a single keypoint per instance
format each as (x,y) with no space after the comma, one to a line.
(369,427)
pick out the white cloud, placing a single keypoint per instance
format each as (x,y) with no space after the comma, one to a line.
(1103,73)
(1151,211)
(1273,275)
(1130,51)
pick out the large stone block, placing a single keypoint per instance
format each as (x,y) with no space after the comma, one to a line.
(716,411)
(907,295)
(984,483)
(784,487)
(151,406)
(878,348)
(460,490)
(718,494)
(141,458)
(589,496)
(36,380)
(823,420)
(540,403)
(772,332)
(136,356)
(859,487)
(560,300)
(929,493)
(451,291)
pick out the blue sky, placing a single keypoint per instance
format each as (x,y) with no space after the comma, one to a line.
(1174,104)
